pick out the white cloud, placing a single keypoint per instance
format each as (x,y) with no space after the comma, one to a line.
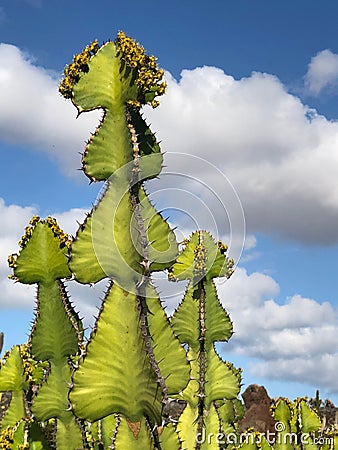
(33,113)
(14,219)
(279,155)
(319,371)
(250,242)
(69,220)
(322,72)
(87,300)
(16,296)
(295,341)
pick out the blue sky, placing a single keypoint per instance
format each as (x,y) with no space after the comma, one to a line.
(252,89)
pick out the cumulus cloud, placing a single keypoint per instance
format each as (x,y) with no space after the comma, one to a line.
(297,336)
(295,340)
(34,114)
(279,155)
(322,72)
(14,219)
(16,296)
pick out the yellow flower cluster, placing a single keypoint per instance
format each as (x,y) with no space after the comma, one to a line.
(73,71)
(51,222)
(25,238)
(61,235)
(185,242)
(230,262)
(222,247)
(5,356)
(28,363)
(149,75)
(34,220)
(12,260)
(6,438)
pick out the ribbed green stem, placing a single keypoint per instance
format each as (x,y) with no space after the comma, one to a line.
(202,363)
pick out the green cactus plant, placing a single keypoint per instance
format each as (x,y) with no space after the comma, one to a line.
(57,330)
(299,425)
(18,375)
(120,390)
(199,322)
(125,239)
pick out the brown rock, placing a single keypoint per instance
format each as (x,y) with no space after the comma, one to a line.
(257,410)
